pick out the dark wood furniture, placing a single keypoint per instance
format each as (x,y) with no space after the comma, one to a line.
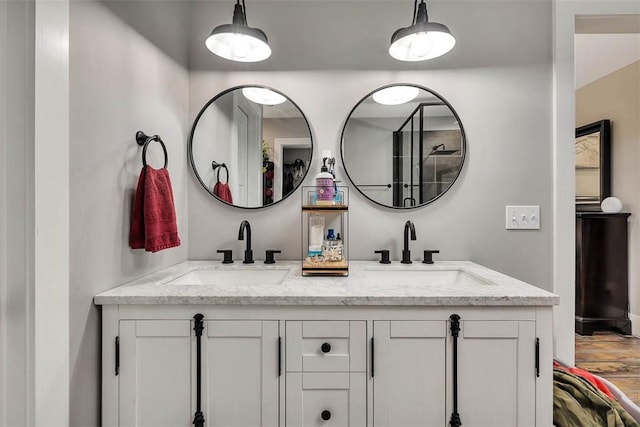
(602,290)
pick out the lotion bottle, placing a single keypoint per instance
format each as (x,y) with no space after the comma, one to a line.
(325,190)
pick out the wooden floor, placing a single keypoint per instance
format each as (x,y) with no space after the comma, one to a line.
(614,357)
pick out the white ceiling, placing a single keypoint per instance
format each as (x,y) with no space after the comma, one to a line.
(598,55)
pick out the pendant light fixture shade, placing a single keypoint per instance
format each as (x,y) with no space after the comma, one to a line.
(237,41)
(423,39)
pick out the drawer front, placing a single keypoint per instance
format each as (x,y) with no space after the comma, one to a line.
(326,399)
(326,346)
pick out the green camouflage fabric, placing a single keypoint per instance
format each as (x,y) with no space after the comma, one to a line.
(578,403)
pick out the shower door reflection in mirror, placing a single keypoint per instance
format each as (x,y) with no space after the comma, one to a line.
(250,146)
(403,152)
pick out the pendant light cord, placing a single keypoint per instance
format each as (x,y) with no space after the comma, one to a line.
(244,13)
(415,7)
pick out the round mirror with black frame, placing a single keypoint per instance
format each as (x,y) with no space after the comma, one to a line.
(250,146)
(403,146)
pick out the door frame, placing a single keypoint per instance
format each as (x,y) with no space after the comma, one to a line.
(563,159)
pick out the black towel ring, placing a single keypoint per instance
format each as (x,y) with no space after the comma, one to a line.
(216,167)
(144,140)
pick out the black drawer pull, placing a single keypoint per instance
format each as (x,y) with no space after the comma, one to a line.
(326,347)
(326,415)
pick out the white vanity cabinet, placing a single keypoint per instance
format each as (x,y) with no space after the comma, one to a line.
(326,363)
(290,366)
(409,373)
(155,370)
(413,382)
(240,373)
(497,373)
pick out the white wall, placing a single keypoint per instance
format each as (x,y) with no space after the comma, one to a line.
(368,165)
(51,214)
(125,85)
(16,211)
(468,222)
(215,124)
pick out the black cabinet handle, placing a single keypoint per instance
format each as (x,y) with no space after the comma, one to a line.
(326,347)
(325,415)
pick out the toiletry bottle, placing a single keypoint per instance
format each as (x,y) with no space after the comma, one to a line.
(332,247)
(324,186)
(316,235)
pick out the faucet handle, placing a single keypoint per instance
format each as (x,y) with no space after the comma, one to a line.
(227,256)
(269,258)
(248,257)
(428,255)
(384,259)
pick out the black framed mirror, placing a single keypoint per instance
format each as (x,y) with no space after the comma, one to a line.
(403,146)
(250,146)
(593,165)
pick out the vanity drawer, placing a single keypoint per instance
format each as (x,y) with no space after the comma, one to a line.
(326,346)
(326,399)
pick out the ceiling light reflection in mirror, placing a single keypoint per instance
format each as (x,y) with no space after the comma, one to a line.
(396,95)
(262,95)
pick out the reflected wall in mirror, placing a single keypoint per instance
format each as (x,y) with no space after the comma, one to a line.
(403,146)
(593,165)
(250,146)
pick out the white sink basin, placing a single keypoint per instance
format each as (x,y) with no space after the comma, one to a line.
(232,277)
(424,277)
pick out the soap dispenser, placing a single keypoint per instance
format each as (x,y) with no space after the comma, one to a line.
(325,190)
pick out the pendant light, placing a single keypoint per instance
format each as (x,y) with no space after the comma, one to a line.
(423,39)
(237,41)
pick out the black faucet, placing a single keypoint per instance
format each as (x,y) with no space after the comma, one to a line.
(406,253)
(248,253)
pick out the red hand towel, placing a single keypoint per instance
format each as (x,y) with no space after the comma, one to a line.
(223,192)
(136,234)
(153,225)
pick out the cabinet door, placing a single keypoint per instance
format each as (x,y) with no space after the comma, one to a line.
(496,374)
(155,373)
(326,399)
(240,373)
(409,383)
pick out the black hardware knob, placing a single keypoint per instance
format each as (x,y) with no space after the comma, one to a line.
(227,257)
(384,259)
(325,415)
(269,258)
(326,347)
(428,256)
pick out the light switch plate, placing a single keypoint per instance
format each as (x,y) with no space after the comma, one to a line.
(523,217)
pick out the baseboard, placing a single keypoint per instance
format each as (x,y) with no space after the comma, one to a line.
(635,324)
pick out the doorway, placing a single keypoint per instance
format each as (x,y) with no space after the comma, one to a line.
(607,87)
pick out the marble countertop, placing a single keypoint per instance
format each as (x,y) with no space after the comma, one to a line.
(445,283)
